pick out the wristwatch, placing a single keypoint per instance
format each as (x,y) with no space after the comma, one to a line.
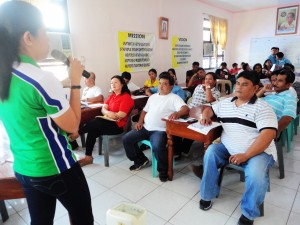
(75,87)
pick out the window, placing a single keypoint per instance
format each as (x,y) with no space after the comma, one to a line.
(209,61)
(55,13)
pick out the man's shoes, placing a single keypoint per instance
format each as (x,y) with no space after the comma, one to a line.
(185,154)
(163,176)
(138,166)
(205,205)
(198,170)
(178,158)
(86,160)
(245,221)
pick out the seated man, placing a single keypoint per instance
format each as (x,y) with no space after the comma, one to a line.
(249,127)
(283,102)
(197,78)
(91,93)
(176,89)
(151,127)
(131,86)
(191,72)
(224,73)
(281,60)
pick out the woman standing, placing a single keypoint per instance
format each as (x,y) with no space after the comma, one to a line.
(115,110)
(36,116)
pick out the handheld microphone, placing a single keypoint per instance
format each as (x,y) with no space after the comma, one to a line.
(58,55)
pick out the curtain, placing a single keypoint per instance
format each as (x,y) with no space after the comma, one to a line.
(223,33)
(218,28)
(214,29)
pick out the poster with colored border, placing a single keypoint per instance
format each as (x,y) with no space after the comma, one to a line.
(135,51)
(181,52)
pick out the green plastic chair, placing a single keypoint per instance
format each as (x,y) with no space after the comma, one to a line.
(296,124)
(287,136)
(154,161)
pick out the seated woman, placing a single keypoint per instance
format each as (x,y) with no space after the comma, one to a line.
(172,73)
(152,81)
(267,68)
(116,107)
(204,93)
(258,69)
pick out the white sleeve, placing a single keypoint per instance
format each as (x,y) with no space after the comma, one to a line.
(97,91)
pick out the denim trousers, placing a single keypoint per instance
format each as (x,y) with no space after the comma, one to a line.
(69,187)
(256,178)
(158,140)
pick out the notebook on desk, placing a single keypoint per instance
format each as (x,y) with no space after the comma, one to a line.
(106,118)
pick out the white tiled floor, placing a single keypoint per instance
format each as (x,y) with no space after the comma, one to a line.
(177,202)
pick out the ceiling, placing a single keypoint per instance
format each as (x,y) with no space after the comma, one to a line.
(248,5)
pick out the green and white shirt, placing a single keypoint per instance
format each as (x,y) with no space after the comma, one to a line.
(39,146)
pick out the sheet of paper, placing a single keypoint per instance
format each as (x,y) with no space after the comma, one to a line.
(95,105)
(265,81)
(203,129)
(84,104)
(138,96)
(273,67)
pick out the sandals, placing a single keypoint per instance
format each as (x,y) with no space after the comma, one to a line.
(86,161)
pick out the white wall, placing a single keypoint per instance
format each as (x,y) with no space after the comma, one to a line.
(95,25)
(252,24)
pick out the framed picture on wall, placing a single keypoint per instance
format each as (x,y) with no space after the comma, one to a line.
(287,20)
(163,28)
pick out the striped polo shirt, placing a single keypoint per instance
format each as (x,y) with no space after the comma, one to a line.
(199,96)
(40,148)
(283,104)
(242,125)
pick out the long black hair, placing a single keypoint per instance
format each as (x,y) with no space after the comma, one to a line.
(124,88)
(16,18)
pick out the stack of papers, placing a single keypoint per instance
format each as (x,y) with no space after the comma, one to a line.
(203,129)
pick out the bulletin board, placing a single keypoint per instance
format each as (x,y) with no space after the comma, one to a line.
(260,48)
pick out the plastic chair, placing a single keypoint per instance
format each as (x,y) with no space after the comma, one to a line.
(221,85)
(242,178)
(296,124)
(287,136)
(154,161)
(104,140)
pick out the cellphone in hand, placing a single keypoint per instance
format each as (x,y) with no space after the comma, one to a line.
(192,120)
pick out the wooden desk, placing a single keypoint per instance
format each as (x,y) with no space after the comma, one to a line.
(140,101)
(10,188)
(180,129)
(88,114)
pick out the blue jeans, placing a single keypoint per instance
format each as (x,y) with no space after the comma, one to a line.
(158,140)
(256,176)
(69,187)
